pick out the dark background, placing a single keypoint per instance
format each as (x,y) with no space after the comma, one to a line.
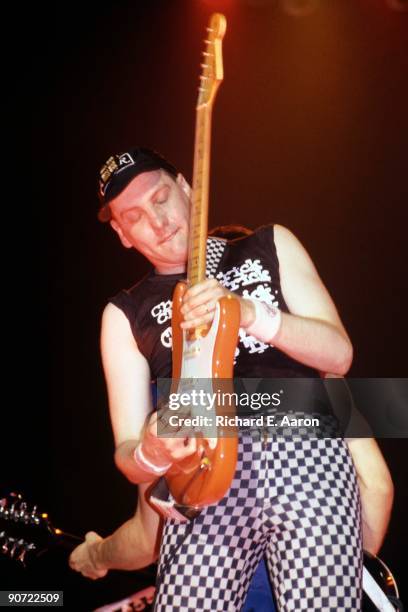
(310,130)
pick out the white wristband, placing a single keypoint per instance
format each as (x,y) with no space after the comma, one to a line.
(146,465)
(267,322)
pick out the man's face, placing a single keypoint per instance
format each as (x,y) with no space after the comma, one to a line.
(152,215)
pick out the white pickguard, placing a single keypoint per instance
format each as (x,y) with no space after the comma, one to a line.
(198,354)
(196,372)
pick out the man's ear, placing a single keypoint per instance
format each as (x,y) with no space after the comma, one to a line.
(181,181)
(119,232)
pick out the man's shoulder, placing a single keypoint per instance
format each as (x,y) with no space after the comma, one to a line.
(131,292)
(287,243)
(263,235)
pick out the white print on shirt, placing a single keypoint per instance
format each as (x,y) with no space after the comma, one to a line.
(162,311)
(248,273)
(262,294)
(166,337)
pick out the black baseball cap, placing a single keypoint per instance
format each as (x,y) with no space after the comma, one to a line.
(117,172)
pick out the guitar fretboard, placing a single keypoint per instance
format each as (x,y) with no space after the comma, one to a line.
(211,77)
(199,210)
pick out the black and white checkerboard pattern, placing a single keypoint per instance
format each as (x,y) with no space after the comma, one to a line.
(327,425)
(297,501)
(215,250)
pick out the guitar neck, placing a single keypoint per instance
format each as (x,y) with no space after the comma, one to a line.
(199,209)
(66,540)
(211,77)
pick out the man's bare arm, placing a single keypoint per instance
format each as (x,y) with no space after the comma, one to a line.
(312,333)
(127,378)
(376,490)
(132,546)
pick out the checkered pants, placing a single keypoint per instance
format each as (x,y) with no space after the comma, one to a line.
(297,502)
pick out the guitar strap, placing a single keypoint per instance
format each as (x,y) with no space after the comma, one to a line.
(160,499)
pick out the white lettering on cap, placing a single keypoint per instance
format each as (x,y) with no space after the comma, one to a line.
(124,160)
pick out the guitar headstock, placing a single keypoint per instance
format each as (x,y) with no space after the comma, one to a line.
(24,531)
(212,69)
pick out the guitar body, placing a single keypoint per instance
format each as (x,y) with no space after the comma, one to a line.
(205,477)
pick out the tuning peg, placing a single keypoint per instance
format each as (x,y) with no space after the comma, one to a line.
(22,554)
(16,545)
(26,548)
(22,515)
(34,518)
(209,42)
(5,547)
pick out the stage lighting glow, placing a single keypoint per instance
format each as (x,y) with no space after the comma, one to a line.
(258,2)
(398,5)
(299,8)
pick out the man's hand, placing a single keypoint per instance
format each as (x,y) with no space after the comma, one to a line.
(200,300)
(84,558)
(162,450)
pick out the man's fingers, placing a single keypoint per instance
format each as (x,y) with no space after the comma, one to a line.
(189,447)
(206,285)
(94,574)
(203,320)
(212,442)
(204,297)
(76,555)
(201,310)
(92,536)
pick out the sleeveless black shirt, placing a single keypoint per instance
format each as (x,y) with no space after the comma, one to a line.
(249,267)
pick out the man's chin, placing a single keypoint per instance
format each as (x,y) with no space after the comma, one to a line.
(176,252)
(174,258)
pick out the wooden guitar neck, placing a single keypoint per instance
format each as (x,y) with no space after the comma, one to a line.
(210,79)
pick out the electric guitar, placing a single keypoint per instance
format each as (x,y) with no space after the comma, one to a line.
(208,351)
(26,535)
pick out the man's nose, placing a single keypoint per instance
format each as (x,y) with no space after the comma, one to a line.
(158,220)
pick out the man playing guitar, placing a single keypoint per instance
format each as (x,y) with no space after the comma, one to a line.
(304,525)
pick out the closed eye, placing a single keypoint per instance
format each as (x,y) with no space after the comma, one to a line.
(132,216)
(161,196)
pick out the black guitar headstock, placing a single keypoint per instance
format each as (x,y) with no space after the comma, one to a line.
(25,533)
